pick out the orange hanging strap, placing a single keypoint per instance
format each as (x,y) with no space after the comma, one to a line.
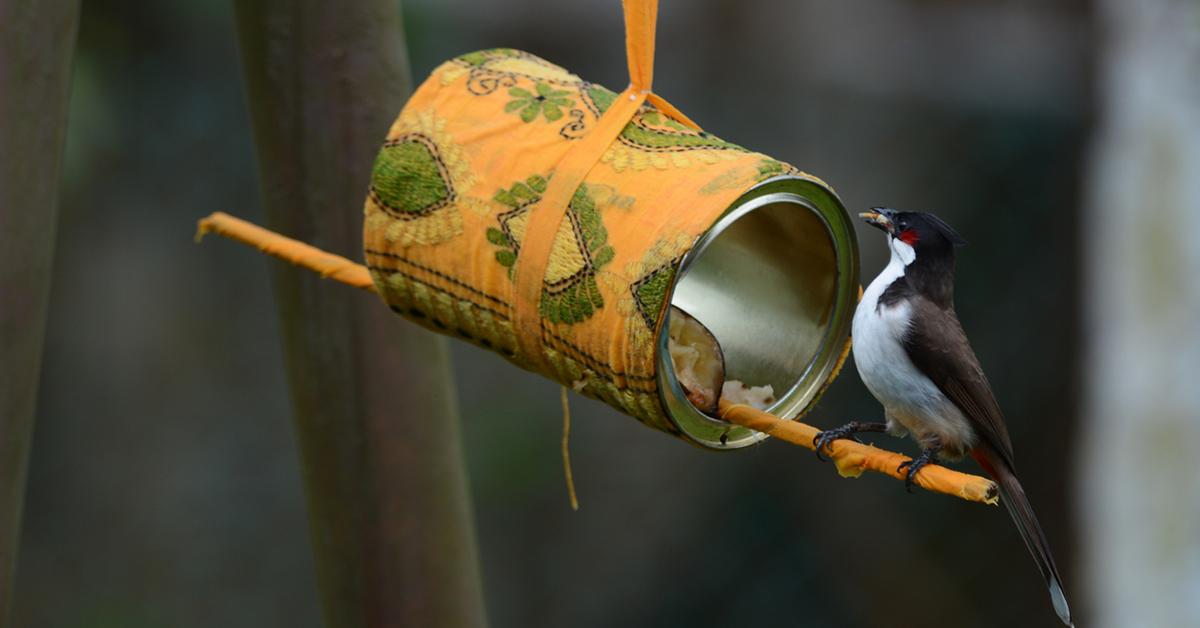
(546,216)
(669,110)
(641,16)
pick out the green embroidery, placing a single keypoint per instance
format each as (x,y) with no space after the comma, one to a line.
(519,197)
(658,119)
(650,292)
(480,57)
(601,97)
(547,101)
(570,293)
(575,297)
(768,168)
(410,178)
(675,137)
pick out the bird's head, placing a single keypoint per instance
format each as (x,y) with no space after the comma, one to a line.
(914,234)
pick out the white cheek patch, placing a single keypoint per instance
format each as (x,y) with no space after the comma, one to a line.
(902,251)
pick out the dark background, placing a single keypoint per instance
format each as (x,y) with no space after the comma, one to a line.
(164,481)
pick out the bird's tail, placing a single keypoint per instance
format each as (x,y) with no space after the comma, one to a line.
(1021,511)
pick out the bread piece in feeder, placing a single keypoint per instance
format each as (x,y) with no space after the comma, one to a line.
(697,361)
(699,365)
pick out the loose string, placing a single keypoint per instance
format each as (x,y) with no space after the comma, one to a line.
(566,451)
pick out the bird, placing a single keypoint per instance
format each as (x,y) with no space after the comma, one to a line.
(914,357)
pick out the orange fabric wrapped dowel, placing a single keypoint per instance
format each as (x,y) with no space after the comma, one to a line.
(853,458)
(327,265)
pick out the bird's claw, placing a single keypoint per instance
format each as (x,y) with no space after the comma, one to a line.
(825,438)
(914,466)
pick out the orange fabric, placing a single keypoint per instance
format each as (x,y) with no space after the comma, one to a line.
(327,265)
(547,215)
(641,17)
(667,108)
(852,458)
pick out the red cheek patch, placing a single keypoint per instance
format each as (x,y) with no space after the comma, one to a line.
(909,236)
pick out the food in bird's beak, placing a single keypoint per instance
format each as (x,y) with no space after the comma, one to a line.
(699,367)
(876,219)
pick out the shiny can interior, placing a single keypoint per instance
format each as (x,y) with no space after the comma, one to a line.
(775,280)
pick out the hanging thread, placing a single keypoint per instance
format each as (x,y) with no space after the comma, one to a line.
(566,452)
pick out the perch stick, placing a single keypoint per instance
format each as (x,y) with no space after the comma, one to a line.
(327,265)
(851,458)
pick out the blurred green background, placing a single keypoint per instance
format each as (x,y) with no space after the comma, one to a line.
(164,481)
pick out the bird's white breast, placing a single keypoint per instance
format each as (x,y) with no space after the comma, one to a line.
(907,395)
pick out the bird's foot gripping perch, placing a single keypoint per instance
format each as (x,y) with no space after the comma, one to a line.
(915,465)
(822,440)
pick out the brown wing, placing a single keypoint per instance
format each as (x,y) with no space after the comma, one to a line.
(938,346)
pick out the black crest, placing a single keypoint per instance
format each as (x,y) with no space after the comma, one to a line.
(946,230)
(924,224)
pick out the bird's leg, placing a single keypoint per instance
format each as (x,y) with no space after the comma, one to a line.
(926,456)
(823,439)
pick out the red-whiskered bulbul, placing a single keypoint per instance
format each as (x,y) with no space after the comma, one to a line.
(914,357)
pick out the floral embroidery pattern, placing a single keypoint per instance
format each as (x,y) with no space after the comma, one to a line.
(418,183)
(512,224)
(547,101)
(489,70)
(570,293)
(646,296)
(409,178)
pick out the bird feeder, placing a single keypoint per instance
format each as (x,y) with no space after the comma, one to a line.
(536,214)
(501,212)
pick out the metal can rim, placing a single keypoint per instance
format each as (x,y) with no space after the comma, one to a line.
(814,196)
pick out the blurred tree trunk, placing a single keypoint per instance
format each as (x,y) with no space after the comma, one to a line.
(1141,496)
(375,410)
(37,41)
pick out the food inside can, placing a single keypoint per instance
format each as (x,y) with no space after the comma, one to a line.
(699,366)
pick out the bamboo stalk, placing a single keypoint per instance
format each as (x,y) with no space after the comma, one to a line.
(851,458)
(373,398)
(37,43)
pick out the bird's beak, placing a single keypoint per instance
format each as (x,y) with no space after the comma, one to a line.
(878,217)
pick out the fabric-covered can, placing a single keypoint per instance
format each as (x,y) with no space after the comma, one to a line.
(758,251)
